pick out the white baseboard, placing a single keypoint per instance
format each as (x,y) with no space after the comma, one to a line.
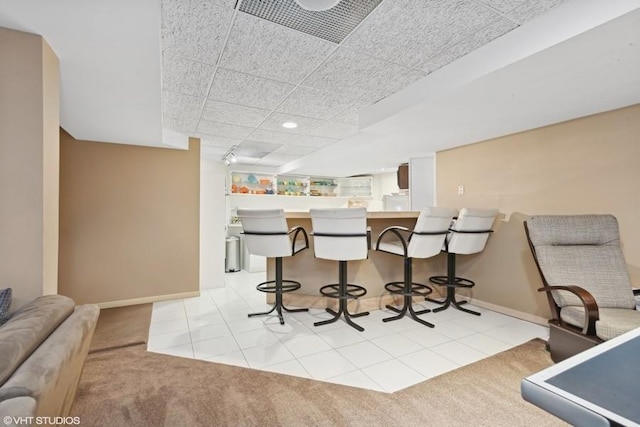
(145,300)
(511,312)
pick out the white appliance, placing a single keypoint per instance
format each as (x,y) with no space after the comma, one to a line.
(396,202)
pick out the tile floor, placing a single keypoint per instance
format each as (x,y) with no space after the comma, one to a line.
(385,357)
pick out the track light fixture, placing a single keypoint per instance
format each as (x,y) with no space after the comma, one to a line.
(230,156)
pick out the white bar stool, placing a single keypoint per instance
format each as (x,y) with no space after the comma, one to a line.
(267,234)
(341,235)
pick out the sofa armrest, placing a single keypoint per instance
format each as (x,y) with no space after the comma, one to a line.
(52,372)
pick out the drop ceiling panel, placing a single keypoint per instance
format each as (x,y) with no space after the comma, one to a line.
(255,150)
(405,31)
(315,141)
(177,102)
(392,86)
(223,129)
(216,152)
(220,142)
(187,29)
(181,112)
(305,124)
(310,102)
(531,8)
(334,130)
(351,114)
(353,73)
(186,76)
(503,6)
(245,89)
(479,38)
(263,135)
(295,150)
(269,50)
(181,122)
(233,113)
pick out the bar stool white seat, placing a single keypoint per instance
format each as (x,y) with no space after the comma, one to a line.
(424,241)
(267,234)
(468,235)
(341,235)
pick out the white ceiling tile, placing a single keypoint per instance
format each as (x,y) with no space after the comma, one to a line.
(352,73)
(186,76)
(532,8)
(225,112)
(263,135)
(178,102)
(315,141)
(409,31)
(180,112)
(310,102)
(351,115)
(334,130)
(184,123)
(213,151)
(474,41)
(503,5)
(223,129)
(254,149)
(266,49)
(219,141)
(275,120)
(392,86)
(295,150)
(187,29)
(245,89)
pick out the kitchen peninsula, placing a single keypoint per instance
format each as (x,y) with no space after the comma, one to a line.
(372,273)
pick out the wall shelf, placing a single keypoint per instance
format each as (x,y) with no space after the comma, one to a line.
(299,185)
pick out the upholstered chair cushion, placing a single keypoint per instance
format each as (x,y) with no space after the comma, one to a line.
(582,250)
(613,321)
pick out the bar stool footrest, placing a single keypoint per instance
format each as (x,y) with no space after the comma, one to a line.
(459,282)
(270,286)
(417,289)
(352,291)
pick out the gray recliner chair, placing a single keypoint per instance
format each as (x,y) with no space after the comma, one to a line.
(585,276)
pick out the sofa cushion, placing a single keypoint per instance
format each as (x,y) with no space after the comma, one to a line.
(28,328)
(5,304)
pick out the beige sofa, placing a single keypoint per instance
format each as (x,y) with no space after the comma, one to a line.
(43,347)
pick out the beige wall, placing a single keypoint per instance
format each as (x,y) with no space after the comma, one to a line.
(129,221)
(588,165)
(29,122)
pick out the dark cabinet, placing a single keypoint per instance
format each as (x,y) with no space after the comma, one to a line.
(403,176)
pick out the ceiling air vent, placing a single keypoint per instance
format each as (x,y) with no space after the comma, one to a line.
(333,25)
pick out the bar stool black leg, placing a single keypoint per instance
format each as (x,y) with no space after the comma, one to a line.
(451,282)
(278,291)
(408,293)
(343,297)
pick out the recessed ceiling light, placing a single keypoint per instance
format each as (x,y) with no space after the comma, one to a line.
(290,125)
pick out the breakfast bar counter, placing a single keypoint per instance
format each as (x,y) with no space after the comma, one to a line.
(379,268)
